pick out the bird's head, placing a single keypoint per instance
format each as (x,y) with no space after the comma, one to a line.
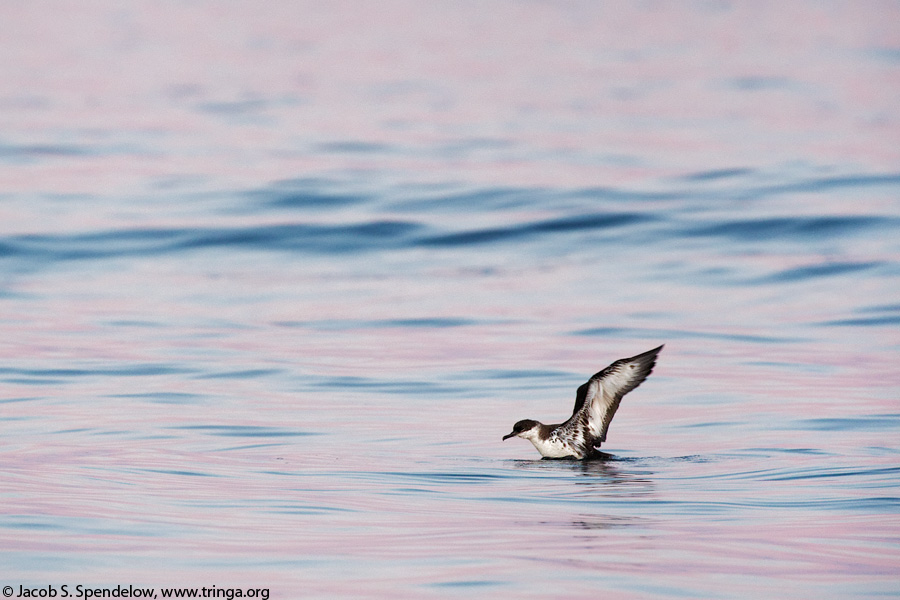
(525,428)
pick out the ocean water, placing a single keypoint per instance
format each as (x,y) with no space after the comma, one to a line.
(276,278)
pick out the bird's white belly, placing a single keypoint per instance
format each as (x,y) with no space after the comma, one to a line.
(553,448)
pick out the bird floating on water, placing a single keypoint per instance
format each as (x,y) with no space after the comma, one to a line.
(596,403)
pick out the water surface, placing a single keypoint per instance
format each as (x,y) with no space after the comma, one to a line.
(274,281)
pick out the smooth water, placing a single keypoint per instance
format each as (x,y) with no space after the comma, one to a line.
(276,278)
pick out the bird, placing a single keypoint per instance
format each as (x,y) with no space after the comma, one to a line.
(596,402)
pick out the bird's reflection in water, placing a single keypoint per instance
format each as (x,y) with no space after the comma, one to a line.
(604,481)
(602,470)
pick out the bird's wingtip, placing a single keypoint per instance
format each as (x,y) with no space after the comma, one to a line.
(655,351)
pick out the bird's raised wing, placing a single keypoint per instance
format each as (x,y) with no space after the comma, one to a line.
(598,399)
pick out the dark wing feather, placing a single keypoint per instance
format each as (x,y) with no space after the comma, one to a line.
(580,396)
(597,400)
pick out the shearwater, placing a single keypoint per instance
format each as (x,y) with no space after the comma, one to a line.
(596,402)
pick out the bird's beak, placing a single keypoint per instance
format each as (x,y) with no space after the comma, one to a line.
(509,435)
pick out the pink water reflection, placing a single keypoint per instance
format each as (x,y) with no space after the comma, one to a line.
(243,95)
